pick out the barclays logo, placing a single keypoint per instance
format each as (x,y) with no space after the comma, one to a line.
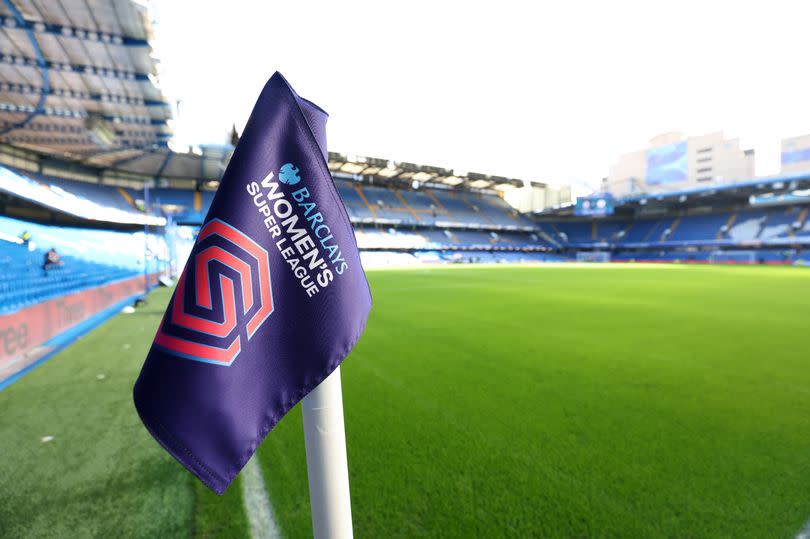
(289,174)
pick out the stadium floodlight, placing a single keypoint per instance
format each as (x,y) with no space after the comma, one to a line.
(504,187)
(388,172)
(370,171)
(423,176)
(352,168)
(480,184)
(452,180)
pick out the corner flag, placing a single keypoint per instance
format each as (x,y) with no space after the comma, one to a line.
(272,298)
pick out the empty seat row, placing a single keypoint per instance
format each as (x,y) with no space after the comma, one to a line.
(24,281)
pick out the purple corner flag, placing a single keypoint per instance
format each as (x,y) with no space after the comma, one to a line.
(272,298)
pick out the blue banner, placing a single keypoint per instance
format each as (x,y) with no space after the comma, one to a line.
(667,164)
(796,156)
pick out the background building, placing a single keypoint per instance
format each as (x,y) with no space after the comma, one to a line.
(674,162)
(796,154)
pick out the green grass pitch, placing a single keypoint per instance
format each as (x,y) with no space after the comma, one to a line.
(556,401)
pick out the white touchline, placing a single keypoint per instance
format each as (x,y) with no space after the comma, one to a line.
(804,533)
(257,503)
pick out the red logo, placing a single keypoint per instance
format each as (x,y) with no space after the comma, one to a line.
(222,297)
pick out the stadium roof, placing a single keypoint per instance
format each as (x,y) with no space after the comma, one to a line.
(394,171)
(740,190)
(78,81)
(783,188)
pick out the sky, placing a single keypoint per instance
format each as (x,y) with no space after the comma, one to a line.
(547,91)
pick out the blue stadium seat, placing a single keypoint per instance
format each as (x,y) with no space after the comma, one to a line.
(643,230)
(779,223)
(698,227)
(576,231)
(90,257)
(606,231)
(29,283)
(418,200)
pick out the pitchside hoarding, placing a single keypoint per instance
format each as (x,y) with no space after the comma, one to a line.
(24,333)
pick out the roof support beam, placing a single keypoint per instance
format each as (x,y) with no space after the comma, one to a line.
(71,32)
(164,164)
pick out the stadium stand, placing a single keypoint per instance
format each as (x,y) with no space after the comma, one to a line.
(107,247)
(364,203)
(640,231)
(575,233)
(746,225)
(29,283)
(455,222)
(494,209)
(805,230)
(779,223)
(419,200)
(695,227)
(465,220)
(459,210)
(728,232)
(89,258)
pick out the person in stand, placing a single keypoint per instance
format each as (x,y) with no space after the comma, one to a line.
(52,260)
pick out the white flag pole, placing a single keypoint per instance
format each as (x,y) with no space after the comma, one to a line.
(327,466)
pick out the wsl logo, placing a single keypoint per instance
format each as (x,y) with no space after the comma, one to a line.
(222,298)
(289,174)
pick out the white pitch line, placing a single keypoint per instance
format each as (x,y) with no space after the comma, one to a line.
(805,532)
(257,503)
